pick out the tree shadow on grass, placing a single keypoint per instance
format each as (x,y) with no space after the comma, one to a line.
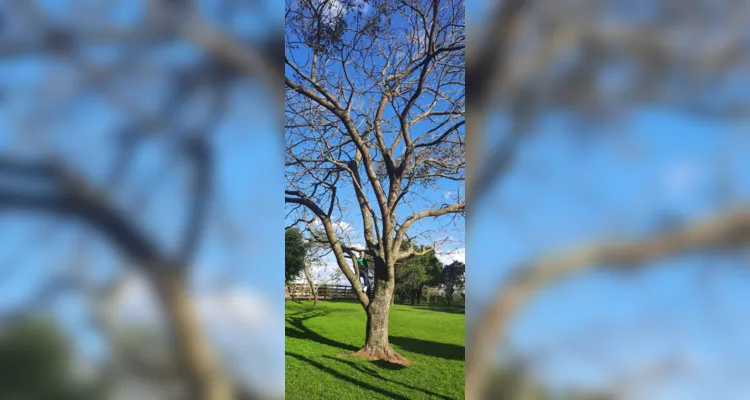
(349,379)
(374,373)
(429,348)
(296,329)
(388,365)
(445,309)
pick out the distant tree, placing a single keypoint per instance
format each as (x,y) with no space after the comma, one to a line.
(409,277)
(416,273)
(294,254)
(35,363)
(313,289)
(314,252)
(454,277)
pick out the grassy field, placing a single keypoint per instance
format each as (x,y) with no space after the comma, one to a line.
(320,340)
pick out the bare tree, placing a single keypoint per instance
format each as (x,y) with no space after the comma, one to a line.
(313,258)
(374,111)
(95,176)
(313,286)
(530,57)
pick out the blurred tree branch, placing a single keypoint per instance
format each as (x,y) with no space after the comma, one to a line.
(724,231)
(533,58)
(54,183)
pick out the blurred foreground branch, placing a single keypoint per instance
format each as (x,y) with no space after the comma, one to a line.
(594,62)
(139,93)
(724,231)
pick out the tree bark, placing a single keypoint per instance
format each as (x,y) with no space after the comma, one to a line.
(205,377)
(377,346)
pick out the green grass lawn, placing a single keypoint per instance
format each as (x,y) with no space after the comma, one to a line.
(320,340)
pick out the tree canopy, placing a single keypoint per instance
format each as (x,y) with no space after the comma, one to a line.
(295,251)
(415,273)
(36,363)
(453,278)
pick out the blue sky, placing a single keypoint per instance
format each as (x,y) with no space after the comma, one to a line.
(564,192)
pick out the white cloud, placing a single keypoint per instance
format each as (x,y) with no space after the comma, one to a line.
(243,325)
(240,308)
(328,267)
(344,227)
(337,8)
(447,257)
(326,271)
(235,309)
(334,10)
(339,226)
(135,302)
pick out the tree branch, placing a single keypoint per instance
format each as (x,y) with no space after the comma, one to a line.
(76,198)
(249,60)
(728,230)
(451,209)
(202,164)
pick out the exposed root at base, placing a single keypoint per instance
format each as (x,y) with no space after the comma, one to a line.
(384,354)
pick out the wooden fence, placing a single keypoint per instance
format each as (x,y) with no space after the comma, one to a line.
(301,291)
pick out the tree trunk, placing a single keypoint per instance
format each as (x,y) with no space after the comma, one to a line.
(370,290)
(376,345)
(312,286)
(196,359)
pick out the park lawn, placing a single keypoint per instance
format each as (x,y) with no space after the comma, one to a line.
(321,339)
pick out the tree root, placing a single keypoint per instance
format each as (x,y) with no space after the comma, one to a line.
(383,353)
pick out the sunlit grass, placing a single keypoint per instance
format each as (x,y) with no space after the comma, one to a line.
(320,340)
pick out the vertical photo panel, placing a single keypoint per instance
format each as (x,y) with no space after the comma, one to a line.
(375,158)
(609,191)
(141,165)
